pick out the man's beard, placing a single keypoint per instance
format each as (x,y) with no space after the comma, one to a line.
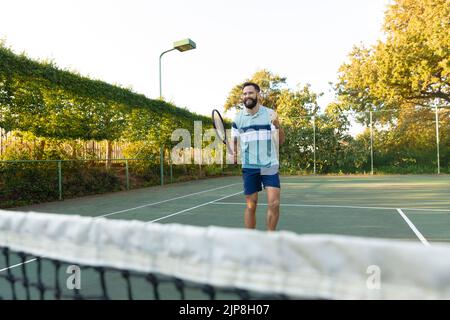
(250,103)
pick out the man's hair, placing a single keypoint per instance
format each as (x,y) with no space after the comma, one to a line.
(254,85)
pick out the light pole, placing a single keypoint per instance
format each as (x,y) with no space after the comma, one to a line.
(182,45)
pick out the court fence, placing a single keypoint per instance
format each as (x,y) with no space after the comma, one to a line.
(413,140)
(24,182)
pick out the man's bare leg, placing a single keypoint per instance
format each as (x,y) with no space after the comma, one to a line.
(273,208)
(250,210)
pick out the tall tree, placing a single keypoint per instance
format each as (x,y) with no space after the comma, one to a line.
(412,66)
(270,84)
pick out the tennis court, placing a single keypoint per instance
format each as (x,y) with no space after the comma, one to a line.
(407,207)
(366,206)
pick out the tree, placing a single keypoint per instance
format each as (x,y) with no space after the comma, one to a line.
(412,66)
(295,109)
(298,110)
(269,83)
(400,78)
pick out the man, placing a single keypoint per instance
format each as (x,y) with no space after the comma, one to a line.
(260,134)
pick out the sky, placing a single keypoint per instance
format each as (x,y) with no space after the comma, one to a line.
(119,42)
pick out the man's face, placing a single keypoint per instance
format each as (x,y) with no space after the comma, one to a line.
(249,97)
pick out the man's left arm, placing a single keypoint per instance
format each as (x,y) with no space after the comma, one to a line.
(281,136)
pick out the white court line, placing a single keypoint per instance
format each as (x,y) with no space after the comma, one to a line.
(16,265)
(410,224)
(332,206)
(152,204)
(307,182)
(413,228)
(163,201)
(189,209)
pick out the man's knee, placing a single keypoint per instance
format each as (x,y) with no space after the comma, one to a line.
(251,205)
(274,203)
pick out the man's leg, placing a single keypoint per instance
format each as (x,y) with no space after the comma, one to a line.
(273,209)
(252,185)
(250,210)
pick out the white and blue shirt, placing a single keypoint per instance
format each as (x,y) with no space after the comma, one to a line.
(257,134)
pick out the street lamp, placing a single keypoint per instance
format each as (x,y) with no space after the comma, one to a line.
(182,45)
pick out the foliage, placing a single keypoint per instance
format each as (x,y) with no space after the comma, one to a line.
(412,66)
(269,83)
(49,102)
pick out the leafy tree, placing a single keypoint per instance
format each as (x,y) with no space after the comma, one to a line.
(298,110)
(270,84)
(411,66)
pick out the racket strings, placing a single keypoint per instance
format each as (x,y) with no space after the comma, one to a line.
(219,126)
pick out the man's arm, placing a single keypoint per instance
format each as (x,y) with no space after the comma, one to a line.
(276,123)
(281,134)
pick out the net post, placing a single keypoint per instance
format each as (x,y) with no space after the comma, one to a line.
(59,180)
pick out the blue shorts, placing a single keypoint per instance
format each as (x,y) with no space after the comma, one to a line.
(253,180)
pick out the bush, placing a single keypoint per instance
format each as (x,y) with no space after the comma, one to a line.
(86,178)
(27,183)
(35,182)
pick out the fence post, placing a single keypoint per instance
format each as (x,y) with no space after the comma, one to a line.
(126,174)
(371,143)
(314,137)
(161,161)
(437,139)
(222,156)
(60,179)
(171,173)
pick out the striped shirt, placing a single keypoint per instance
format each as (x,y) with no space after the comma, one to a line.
(257,137)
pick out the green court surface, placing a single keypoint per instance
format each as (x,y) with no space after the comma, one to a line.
(366,206)
(407,207)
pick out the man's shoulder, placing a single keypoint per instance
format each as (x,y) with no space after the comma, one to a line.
(267,109)
(238,117)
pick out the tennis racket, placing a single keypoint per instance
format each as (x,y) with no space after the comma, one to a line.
(219,126)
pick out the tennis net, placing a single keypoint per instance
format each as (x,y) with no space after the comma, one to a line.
(51,256)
